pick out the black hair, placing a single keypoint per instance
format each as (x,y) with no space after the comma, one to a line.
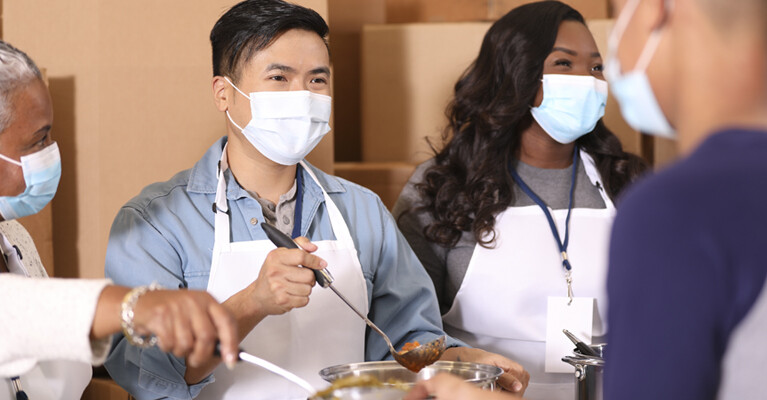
(251,26)
(469,184)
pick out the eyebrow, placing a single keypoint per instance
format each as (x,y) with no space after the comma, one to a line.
(285,68)
(44,130)
(573,52)
(320,70)
(280,67)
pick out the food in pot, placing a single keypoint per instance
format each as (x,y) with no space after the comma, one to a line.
(360,381)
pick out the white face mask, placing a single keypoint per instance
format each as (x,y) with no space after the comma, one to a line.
(632,90)
(285,126)
(571,107)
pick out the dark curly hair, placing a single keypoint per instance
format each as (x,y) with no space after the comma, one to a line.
(469,184)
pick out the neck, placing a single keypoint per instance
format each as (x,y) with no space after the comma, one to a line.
(711,99)
(538,149)
(256,173)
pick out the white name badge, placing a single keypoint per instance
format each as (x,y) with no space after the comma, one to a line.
(576,318)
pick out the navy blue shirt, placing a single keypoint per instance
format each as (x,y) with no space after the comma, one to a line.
(688,260)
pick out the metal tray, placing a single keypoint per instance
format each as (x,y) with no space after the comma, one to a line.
(481,375)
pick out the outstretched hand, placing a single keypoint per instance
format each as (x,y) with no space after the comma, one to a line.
(187,323)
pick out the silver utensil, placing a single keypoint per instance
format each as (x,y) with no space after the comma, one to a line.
(414,359)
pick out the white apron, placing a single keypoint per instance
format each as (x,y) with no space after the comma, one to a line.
(501,304)
(304,340)
(47,380)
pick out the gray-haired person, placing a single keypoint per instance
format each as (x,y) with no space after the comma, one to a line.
(52,330)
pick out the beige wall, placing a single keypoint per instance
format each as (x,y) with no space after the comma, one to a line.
(130,82)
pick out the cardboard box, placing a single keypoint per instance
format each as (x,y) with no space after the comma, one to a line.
(408,74)
(385,179)
(130,82)
(346,18)
(408,11)
(590,9)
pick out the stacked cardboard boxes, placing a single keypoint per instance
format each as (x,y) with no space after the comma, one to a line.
(407,73)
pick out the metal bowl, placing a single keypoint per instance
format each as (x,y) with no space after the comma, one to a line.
(481,375)
(363,393)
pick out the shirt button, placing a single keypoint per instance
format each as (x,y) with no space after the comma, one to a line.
(285,220)
(253,221)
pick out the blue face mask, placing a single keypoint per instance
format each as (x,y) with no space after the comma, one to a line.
(632,90)
(42,171)
(571,107)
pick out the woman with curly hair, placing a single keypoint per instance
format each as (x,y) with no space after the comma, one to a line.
(513,214)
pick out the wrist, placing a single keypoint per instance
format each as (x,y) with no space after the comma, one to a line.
(127,314)
(106,319)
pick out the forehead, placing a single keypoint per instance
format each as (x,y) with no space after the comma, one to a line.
(296,48)
(31,102)
(575,35)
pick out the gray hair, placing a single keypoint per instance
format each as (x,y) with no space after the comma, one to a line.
(16,69)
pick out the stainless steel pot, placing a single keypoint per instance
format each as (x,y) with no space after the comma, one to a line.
(589,373)
(481,375)
(363,393)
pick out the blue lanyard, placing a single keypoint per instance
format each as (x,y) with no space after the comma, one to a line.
(561,244)
(299,203)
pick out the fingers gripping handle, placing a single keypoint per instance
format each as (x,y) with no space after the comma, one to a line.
(323,277)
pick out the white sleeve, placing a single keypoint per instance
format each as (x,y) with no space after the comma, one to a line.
(47,319)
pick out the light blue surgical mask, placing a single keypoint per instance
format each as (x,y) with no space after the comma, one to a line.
(571,107)
(42,171)
(632,90)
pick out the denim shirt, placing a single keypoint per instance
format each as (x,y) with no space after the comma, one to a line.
(165,235)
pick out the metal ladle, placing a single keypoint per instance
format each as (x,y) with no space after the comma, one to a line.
(414,359)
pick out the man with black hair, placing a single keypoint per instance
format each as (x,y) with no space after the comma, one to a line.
(201,229)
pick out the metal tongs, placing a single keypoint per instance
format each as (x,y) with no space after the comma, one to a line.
(582,347)
(414,359)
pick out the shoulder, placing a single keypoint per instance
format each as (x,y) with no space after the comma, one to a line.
(410,195)
(341,188)
(728,165)
(160,192)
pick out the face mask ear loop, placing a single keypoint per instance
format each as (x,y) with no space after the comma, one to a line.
(10,160)
(236,88)
(227,111)
(621,24)
(232,121)
(653,42)
(649,50)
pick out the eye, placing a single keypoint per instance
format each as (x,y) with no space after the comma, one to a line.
(279,78)
(43,141)
(598,68)
(322,81)
(563,62)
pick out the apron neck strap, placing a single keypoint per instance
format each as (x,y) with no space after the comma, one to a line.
(591,171)
(221,207)
(337,222)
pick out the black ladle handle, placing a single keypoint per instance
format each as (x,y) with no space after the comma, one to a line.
(323,277)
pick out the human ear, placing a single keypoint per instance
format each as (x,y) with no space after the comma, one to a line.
(221,93)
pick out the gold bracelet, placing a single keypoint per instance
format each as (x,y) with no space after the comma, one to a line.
(127,314)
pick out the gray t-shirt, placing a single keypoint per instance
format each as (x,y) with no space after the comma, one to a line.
(447,267)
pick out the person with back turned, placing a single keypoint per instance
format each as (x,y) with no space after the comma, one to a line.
(687,271)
